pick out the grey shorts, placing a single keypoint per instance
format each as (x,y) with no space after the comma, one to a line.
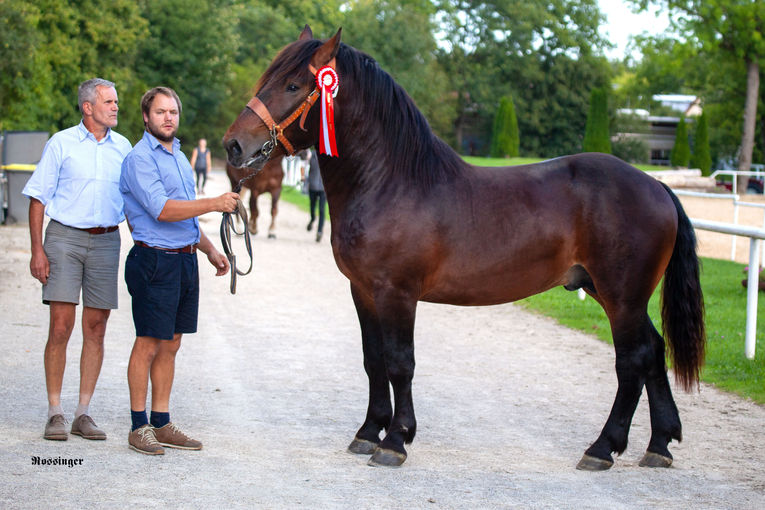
(81,261)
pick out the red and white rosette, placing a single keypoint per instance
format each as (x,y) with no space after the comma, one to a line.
(327,81)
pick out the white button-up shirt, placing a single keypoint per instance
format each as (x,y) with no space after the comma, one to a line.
(77,178)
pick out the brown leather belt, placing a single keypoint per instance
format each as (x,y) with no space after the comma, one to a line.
(98,230)
(192,248)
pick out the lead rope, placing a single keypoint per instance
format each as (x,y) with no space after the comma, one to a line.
(227,224)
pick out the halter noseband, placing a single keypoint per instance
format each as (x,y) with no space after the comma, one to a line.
(277,130)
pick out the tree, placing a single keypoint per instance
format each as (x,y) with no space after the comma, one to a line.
(597,137)
(49,47)
(737,29)
(505,140)
(702,158)
(190,48)
(681,151)
(544,52)
(407,54)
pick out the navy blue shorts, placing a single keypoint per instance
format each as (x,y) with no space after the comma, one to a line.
(165,291)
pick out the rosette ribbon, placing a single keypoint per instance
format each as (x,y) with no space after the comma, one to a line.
(327,81)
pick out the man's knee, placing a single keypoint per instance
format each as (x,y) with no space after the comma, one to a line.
(94,321)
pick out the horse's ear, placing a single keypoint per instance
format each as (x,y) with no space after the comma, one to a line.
(307,33)
(327,51)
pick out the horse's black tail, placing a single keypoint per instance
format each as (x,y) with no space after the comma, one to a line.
(682,304)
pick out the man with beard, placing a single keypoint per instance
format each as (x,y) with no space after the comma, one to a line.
(161,272)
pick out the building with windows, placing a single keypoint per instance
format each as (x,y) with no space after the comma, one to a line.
(658,132)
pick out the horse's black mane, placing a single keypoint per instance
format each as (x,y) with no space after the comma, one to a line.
(396,138)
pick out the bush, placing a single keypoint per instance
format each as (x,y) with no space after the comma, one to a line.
(596,133)
(681,152)
(702,157)
(505,140)
(631,149)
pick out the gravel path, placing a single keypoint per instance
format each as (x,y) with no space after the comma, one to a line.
(273,384)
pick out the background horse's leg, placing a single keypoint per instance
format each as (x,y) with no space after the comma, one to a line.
(665,420)
(275,194)
(634,357)
(396,310)
(379,410)
(253,226)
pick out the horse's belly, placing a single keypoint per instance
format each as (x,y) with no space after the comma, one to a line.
(491,288)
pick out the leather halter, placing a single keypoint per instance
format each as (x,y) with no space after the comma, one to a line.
(277,130)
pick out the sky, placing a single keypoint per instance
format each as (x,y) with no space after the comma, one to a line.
(622,23)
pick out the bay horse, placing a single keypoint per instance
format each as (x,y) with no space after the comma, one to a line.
(267,180)
(411,221)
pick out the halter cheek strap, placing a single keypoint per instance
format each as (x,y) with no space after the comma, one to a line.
(277,130)
(257,106)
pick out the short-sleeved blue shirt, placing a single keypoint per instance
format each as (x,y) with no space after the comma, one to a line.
(151,175)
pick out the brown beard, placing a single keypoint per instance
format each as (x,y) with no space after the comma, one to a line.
(159,136)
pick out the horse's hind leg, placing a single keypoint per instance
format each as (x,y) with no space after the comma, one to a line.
(634,359)
(253,226)
(665,420)
(379,410)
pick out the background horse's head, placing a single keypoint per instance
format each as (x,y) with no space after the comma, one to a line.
(282,118)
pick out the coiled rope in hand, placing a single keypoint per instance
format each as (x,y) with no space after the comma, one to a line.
(227,225)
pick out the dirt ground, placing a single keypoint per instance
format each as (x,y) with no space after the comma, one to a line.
(273,384)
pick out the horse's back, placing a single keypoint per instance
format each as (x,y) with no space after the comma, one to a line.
(527,228)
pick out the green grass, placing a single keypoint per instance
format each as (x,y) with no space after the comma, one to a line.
(294,196)
(725,300)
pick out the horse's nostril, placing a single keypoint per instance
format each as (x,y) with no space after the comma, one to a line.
(233,149)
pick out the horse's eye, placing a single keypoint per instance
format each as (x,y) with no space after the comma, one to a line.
(292,87)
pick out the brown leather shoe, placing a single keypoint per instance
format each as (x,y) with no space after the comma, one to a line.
(171,436)
(143,440)
(55,429)
(84,426)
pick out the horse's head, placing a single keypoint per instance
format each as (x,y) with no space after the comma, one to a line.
(280,118)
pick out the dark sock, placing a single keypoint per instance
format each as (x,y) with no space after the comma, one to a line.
(159,420)
(139,418)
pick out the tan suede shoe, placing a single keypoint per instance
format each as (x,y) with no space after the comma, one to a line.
(55,429)
(171,436)
(143,441)
(84,426)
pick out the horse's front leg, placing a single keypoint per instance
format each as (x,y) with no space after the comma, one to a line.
(396,311)
(379,410)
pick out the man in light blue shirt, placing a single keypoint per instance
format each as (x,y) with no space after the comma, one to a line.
(76,183)
(161,270)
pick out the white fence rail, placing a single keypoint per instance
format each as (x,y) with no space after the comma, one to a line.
(755,235)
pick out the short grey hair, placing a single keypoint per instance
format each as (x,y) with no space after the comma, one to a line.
(87,91)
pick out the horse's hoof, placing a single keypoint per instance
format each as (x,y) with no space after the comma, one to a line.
(362,446)
(590,463)
(272,236)
(651,459)
(387,458)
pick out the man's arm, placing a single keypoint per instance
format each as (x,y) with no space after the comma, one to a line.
(39,265)
(177,210)
(215,257)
